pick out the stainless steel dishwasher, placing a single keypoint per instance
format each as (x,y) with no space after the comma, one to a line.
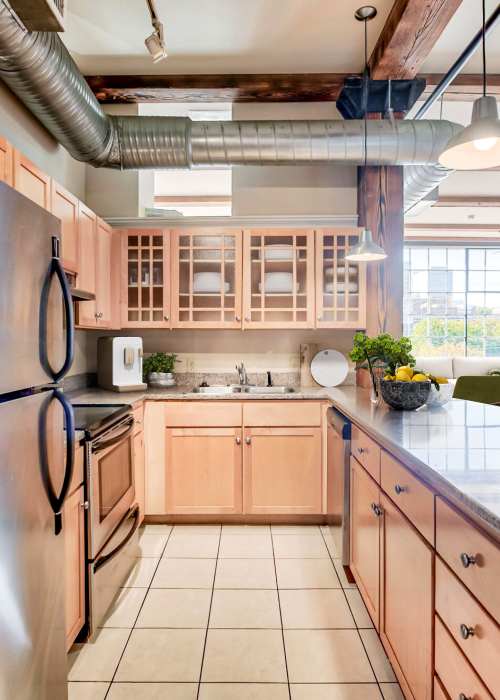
(338,491)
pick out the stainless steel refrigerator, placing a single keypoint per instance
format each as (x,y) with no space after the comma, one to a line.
(36,450)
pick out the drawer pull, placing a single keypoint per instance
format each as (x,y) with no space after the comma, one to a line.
(463,696)
(400,489)
(467,560)
(376,509)
(466,631)
(84,505)
(238,440)
(362,450)
(248,440)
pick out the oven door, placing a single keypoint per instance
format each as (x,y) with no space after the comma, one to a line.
(111,482)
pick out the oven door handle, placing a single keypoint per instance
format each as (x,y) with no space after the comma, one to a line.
(100,446)
(102,561)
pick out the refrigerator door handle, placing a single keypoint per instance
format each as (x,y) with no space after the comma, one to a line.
(56,269)
(57,501)
(133,514)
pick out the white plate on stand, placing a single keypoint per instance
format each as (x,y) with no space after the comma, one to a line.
(329,368)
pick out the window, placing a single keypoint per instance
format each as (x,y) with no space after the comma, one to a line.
(452,300)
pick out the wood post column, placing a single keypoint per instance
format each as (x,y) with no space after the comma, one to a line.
(380,208)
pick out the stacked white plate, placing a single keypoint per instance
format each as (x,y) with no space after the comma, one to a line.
(278,252)
(208,283)
(352,287)
(352,271)
(278,283)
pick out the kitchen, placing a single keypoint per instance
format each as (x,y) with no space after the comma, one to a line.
(238,477)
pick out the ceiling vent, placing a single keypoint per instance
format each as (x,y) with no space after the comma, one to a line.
(40,15)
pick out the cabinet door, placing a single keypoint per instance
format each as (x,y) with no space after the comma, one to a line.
(145,294)
(31,181)
(203,470)
(407,565)
(340,285)
(103,274)
(278,278)
(138,443)
(64,205)
(365,537)
(283,470)
(6,162)
(86,279)
(74,564)
(206,278)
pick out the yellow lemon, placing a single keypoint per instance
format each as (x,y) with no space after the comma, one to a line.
(442,380)
(420,378)
(402,376)
(407,369)
(389,377)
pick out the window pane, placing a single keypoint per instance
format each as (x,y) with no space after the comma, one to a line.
(456,258)
(476,259)
(437,257)
(419,258)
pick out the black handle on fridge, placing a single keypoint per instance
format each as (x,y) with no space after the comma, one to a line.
(57,501)
(57,270)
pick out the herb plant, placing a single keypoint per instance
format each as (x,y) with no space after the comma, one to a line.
(158,362)
(381,351)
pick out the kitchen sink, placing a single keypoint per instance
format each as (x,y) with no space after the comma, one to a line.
(268,390)
(218,389)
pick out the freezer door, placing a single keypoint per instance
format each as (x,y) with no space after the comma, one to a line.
(32,630)
(36,324)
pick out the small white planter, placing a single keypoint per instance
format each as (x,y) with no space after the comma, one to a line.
(163,379)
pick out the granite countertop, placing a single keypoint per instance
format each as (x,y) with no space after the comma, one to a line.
(454,448)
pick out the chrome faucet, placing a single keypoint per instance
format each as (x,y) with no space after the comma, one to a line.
(242,374)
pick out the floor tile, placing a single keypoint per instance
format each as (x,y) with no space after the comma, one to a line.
(391,691)
(326,656)
(244,656)
(295,530)
(303,546)
(153,691)
(97,660)
(87,691)
(306,573)
(336,691)
(156,528)
(378,658)
(197,530)
(193,546)
(142,573)
(159,655)
(184,573)
(246,546)
(341,574)
(246,529)
(124,611)
(152,545)
(243,691)
(245,573)
(315,609)
(331,546)
(358,608)
(245,609)
(175,607)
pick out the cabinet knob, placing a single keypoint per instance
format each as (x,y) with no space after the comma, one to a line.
(463,696)
(84,505)
(237,318)
(166,318)
(467,560)
(248,440)
(238,440)
(466,631)
(399,489)
(320,318)
(376,509)
(247,319)
(361,450)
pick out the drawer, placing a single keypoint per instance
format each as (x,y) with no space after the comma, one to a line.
(282,414)
(409,494)
(203,414)
(459,611)
(366,451)
(138,414)
(454,672)
(439,693)
(78,469)
(457,539)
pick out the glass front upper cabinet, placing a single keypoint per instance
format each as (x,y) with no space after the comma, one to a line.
(278,280)
(146,279)
(340,285)
(206,278)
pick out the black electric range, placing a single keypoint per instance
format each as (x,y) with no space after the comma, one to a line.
(95,419)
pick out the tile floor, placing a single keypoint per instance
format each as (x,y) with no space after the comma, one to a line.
(235,613)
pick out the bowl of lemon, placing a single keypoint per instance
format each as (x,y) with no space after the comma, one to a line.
(407,389)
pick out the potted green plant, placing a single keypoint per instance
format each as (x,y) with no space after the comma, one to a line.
(158,369)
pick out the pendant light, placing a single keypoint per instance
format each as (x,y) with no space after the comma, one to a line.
(477,147)
(365,250)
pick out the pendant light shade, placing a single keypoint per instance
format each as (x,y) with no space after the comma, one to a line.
(365,250)
(477,147)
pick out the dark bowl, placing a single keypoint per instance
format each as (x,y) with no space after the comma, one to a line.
(405,396)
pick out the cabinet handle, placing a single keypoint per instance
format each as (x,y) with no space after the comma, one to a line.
(320,318)
(238,440)
(399,489)
(361,450)
(467,560)
(237,318)
(466,631)
(84,505)
(248,440)
(247,319)
(376,509)
(166,318)
(463,696)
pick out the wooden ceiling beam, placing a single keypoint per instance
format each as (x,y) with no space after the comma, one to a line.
(468,201)
(410,32)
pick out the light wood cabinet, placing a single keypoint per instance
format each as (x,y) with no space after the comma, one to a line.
(365,525)
(65,206)
(31,181)
(406,601)
(139,483)
(278,278)
(86,279)
(145,287)
(206,278)
(74,564)
(340,284)
(155,458)
(282,471)
(103,274)
(6,162)
(203,470)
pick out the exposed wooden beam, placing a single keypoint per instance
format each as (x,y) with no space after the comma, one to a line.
(411,30)
(491,228)
(468,201)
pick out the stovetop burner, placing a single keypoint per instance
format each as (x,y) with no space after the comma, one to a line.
(94,418)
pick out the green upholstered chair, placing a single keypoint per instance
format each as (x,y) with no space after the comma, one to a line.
(483,389)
